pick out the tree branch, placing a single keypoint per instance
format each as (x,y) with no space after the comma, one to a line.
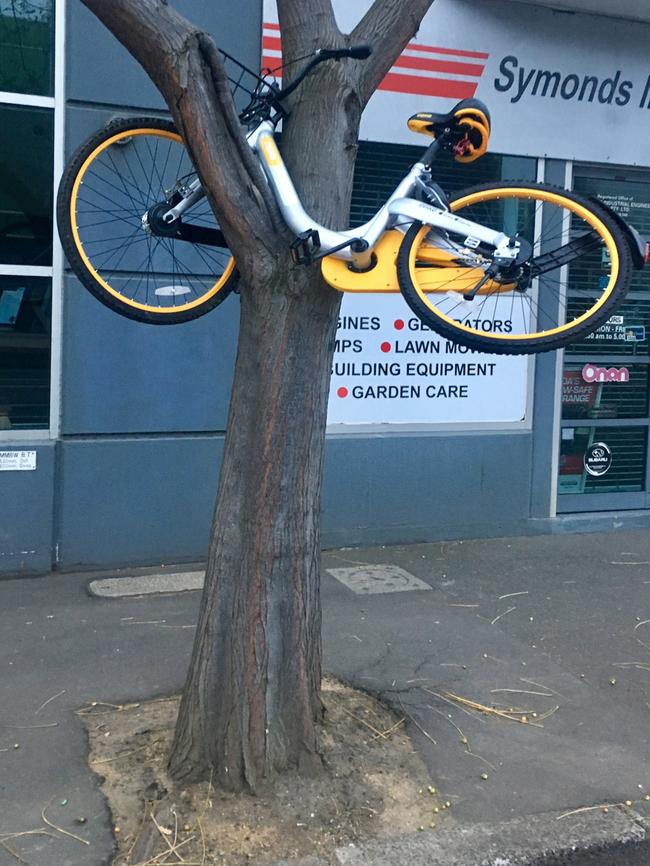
(388,26)
(187,69)
(306,27)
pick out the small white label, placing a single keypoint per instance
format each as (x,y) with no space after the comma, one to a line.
(17,461)
(472,243)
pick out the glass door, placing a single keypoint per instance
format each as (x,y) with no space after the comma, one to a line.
(605,383)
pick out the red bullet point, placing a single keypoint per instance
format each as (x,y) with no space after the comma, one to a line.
(342,392)
(385,347)
(399,324)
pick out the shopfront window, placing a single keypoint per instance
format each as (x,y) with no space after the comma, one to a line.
(26,150)
(26,46)
(26,208)
(605,386)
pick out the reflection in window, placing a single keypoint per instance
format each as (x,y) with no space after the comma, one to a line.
(26,149)
(605,391)
(25,321)
(381,166)
(626,473)
(626,333)
(26,46)
(628,196)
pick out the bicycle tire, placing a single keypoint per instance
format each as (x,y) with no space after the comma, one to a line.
(424,304)
(206,291)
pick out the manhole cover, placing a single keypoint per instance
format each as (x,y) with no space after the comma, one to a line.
(368,579)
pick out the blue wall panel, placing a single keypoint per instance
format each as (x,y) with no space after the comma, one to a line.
(410,488)
(26,512)
(149,501)
(125,377)
(99,69)
(136,501)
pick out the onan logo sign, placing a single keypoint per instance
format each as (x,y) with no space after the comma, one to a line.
(520,81)
(591,373)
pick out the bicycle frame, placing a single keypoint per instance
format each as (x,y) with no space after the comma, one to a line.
(400,209)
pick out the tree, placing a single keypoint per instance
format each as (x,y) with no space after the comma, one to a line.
(251,701)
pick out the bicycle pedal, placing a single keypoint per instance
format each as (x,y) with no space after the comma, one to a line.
(302,249)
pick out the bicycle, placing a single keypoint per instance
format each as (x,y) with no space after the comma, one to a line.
(498,268)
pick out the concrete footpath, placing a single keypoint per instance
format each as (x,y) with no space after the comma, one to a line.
(557,627)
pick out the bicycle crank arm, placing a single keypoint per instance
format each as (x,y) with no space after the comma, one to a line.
(155,222)
(200,235)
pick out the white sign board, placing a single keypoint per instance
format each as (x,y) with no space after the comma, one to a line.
(568,86)
(17,461)
(389,368)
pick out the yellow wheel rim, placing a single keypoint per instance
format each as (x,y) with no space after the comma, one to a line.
(149,308)
(538,195)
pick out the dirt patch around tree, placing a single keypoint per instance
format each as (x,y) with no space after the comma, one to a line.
(373,785)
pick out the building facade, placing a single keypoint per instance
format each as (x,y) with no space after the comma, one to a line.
(111,431)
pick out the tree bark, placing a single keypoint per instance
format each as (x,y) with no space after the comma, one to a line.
(251,701)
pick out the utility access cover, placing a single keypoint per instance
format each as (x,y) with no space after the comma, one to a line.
(370,579)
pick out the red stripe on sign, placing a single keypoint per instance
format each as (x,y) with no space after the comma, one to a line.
(273,42)
(272,64)
(270,26)
(428,86)
(433,50)
(424,64)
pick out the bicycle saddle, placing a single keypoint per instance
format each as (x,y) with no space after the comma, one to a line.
(469,125)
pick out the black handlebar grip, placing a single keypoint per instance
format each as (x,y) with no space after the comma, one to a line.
(360,52)
(357,52)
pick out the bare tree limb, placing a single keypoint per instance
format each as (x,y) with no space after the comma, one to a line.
(387,26)
(306,27)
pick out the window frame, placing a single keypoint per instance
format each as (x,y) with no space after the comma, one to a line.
(54,272)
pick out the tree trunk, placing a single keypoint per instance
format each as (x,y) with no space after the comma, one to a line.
(251,701)
(252,697)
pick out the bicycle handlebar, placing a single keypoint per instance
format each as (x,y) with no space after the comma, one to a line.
(356,52)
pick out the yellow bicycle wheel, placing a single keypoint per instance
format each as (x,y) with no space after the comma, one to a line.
(109,211)
(573,271)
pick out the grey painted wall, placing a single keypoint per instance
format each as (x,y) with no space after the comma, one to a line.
(389,489)
(119,376)
(26,512)
(141,501)
(136,501)
(125,377)
(99,70)
(144,499)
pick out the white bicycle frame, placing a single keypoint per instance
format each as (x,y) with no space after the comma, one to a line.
(401,210)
